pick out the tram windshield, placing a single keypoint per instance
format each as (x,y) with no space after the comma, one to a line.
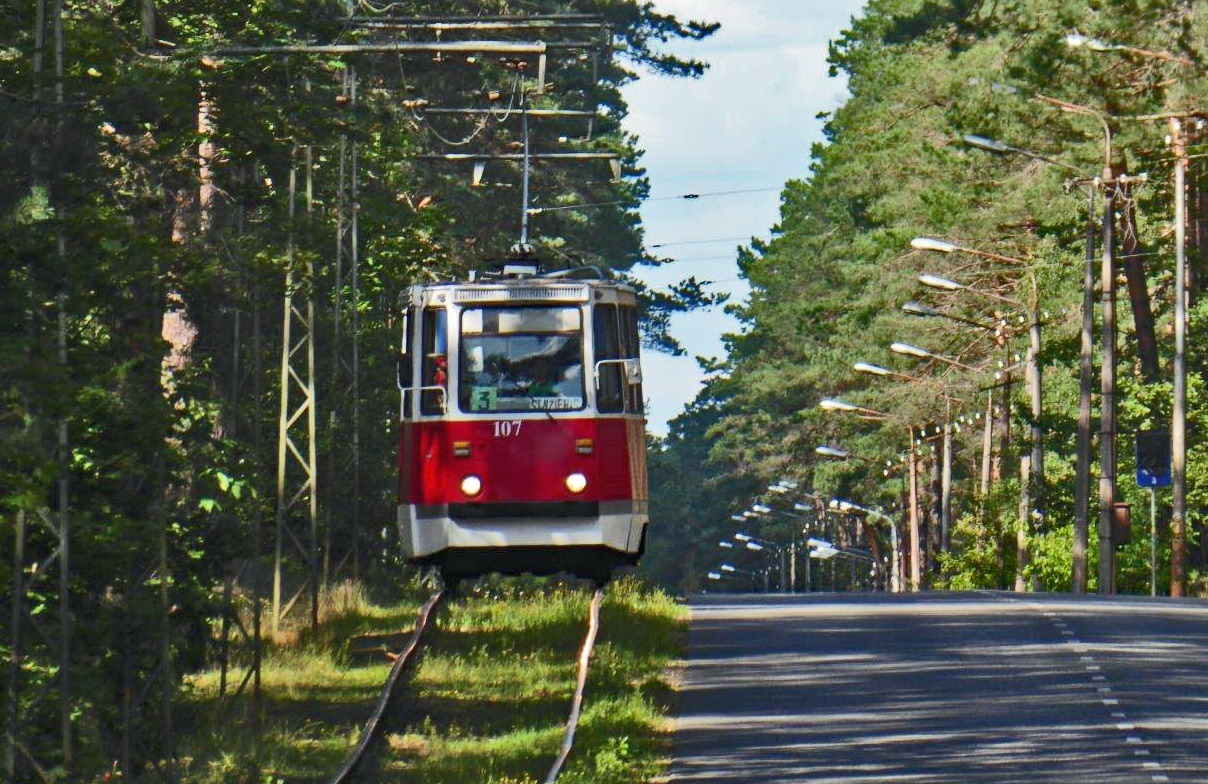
(521,359)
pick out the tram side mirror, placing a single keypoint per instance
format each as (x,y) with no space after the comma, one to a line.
(403,371)
(633,372)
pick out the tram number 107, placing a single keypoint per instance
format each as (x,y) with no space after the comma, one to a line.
(508,428)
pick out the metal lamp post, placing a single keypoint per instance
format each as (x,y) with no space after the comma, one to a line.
(1082,459)
(916,561)
(1178,424)
(895,577)
(1031,484)
(1107,371)
(758,544)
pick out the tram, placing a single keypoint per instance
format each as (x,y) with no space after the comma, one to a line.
(522,444)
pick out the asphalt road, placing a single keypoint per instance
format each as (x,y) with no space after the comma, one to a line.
(943,687)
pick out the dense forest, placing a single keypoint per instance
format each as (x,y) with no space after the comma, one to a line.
(210,210)
(1046,85)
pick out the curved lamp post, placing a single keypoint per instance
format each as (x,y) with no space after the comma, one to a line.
(1082,459)
(1107,371)
(1031,485)
(1178,420)
(916,560)
(1077,41)
(895,576)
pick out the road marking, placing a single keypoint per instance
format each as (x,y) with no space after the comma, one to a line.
(1103,687)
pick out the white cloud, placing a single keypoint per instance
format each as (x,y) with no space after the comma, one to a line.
(748,123)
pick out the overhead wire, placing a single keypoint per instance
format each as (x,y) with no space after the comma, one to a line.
(684,196)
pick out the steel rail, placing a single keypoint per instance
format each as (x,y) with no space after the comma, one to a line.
(374,725)
(572,723)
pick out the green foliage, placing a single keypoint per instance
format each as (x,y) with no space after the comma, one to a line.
(110,222)
(489,697)
(827,290)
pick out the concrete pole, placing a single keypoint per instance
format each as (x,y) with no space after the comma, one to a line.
(1086,370)
(916,561)
(1107,392)
(946,489)
(1178,422)
(987,444)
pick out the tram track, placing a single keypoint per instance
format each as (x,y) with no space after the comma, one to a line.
(357,766)
(354,764)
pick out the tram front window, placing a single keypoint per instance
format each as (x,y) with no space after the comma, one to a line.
(521,359)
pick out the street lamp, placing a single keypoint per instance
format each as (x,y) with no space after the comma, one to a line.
(1107,372)
(1082,459)
(848,507)
(1076,41)
(756,544)
(1178,423)
(833,404)
(876,370)
(1031,482)
(944,246)
(916,561)
(914,351)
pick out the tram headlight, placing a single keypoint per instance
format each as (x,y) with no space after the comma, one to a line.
(471,485)
(576,483)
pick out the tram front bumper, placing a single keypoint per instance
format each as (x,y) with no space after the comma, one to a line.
(428,530)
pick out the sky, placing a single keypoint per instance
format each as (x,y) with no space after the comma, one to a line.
(738,133)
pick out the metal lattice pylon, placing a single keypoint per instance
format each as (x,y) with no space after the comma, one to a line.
(344,458)
(297,467)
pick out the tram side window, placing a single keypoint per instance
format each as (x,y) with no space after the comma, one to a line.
(435,371)
(405,364)
(610,393)
(629,350)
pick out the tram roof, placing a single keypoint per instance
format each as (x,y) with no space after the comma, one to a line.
(530,289)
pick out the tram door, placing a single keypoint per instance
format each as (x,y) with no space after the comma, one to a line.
(615,330)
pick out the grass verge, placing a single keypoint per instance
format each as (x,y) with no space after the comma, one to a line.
(487,703)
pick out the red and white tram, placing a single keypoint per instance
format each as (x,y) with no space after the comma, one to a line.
(522,445)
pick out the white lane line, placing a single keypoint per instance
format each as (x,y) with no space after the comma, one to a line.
(1103,687)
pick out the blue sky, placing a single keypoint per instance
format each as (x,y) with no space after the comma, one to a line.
(747,125)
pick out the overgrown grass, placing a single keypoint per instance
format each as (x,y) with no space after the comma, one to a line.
(487,703)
